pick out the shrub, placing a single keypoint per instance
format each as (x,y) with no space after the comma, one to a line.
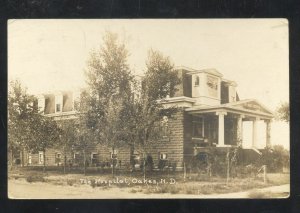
(35,178)
(133,191)
(93,183)
(276,158)
(71,182)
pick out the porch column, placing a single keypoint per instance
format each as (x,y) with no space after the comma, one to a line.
(221,128)
(240,130)
(254,132)
(268,133)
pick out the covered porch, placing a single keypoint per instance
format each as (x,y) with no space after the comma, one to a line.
(222,126)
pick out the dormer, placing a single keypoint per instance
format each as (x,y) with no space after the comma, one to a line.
(228,91)
(206,86)
(56,103)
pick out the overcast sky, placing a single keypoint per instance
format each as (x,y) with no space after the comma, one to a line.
(49,55)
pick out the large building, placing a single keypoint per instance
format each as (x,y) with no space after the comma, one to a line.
(211,115)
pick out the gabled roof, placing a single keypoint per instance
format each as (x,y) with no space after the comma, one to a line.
(248,107)
(250,104)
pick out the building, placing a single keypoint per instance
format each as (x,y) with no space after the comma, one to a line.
(210,116)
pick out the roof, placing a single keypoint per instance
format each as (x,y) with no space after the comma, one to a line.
(249,106)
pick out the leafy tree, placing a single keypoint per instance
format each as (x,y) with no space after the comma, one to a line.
(85,131)
(109,86)
(145,110)
(21,110)
(67,137)
(283,112)
(45,134)
(161,78)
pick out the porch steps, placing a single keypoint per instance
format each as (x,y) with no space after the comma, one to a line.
(250,156)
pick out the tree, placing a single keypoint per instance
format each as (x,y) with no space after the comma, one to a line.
(85,126)
(283,112)
(44,133)
(161,78)
(67,137)
(21,111)
(109,86)
(146,110)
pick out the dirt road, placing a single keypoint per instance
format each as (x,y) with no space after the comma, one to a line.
(20,189)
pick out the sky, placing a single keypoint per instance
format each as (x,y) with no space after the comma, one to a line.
(48,55)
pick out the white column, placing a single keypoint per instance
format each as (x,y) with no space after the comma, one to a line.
(240,130)
(254,132)
(221,128)
(268,133)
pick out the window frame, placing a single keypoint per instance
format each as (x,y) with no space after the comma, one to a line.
(194,121)
(197,81)
(114,152)
(164,127)
(59,108)
(163,154)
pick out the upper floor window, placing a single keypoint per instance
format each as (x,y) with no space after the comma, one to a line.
(57,107)
(212,85)
(197,81)
(164,128)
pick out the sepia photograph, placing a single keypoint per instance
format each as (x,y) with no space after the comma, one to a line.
(148,109)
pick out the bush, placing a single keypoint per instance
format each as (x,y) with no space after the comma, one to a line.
(276,158)
(71,182)
(35,178)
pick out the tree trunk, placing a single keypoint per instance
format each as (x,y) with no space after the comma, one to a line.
(84,163)
(12,159)
(44,167)
(65,161)
(113,163)
(144,167)
(131,157)
(22,157)
(228,166)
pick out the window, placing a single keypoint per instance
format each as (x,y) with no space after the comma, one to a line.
(163,156)
(29,159)
(197,81)
(164,127)
(76,157)
(212,85)
(94,158)
(57,107)
(41,157)
(114,154)
(58,157)
(198,127)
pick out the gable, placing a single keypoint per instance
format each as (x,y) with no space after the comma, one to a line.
(252,105)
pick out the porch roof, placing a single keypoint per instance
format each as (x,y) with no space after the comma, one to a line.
(249,107)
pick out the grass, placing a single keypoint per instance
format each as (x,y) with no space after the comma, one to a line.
(194,184)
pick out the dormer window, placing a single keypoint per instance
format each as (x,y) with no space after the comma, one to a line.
(57,107)
(197,81)
(212,86)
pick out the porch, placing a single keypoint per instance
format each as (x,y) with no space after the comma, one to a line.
(222,126)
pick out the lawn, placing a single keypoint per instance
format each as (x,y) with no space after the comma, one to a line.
(134,183)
